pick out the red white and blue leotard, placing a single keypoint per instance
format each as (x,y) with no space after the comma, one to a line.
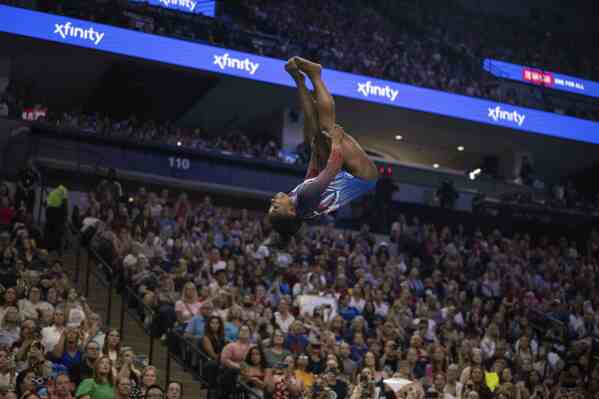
(327,191)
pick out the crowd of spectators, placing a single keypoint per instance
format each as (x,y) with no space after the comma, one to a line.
(52,344)
(465,314)
(425,51)
(435,47)
(233,141)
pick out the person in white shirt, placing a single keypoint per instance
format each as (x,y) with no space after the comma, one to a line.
(283,318)
(381,308)
(489,342)
(33,307)
(51,335)
(357,299)
(453,388)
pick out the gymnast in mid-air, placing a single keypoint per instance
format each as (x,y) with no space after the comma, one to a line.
(339,170)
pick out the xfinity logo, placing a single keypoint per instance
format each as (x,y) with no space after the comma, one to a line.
(368,89)
(224,61)
(70,30)
(498,114)
(188,4)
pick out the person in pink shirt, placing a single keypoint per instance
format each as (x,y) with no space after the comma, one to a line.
(231,359)
(189,304)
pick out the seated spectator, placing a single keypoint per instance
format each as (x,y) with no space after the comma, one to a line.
(123,388)
(276,352)
(62,387)
(101,386)
(213,339)
(283,318)
(126,367)
(189,305)
(232,358)
(112,346)
(174,390)
(68,351)
(154,392)
(8,372)
(10,326)
(9,300)
(85,369)
(195,327)
(149,376)
(76,308)
(25,382)
(302,373)
(51,335)
(253,370)
(164,302)
(233,323)
(93,330)
(296,340)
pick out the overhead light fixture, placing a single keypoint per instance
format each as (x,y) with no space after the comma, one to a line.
(436,165)
(399,137)
(461,148)
(179,144)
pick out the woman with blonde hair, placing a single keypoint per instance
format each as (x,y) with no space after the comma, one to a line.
(149,375)
(189,304)
(126,366)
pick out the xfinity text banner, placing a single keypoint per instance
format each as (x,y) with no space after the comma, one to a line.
(539,77)
(206,7)
(250,66)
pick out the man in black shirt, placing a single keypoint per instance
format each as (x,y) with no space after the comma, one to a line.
(85,369)
(27,181)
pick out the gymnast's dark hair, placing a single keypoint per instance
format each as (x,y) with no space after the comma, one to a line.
(286,226)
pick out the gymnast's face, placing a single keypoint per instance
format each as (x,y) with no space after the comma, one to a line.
(281,204)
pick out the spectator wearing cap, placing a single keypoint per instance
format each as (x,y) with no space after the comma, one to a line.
(219,276)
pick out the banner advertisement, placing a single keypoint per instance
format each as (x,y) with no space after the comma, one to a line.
(126,42)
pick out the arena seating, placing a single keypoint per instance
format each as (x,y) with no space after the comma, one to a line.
(451,303)
(459,311)
(52,343)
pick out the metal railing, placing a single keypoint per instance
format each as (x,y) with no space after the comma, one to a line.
(181,349)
